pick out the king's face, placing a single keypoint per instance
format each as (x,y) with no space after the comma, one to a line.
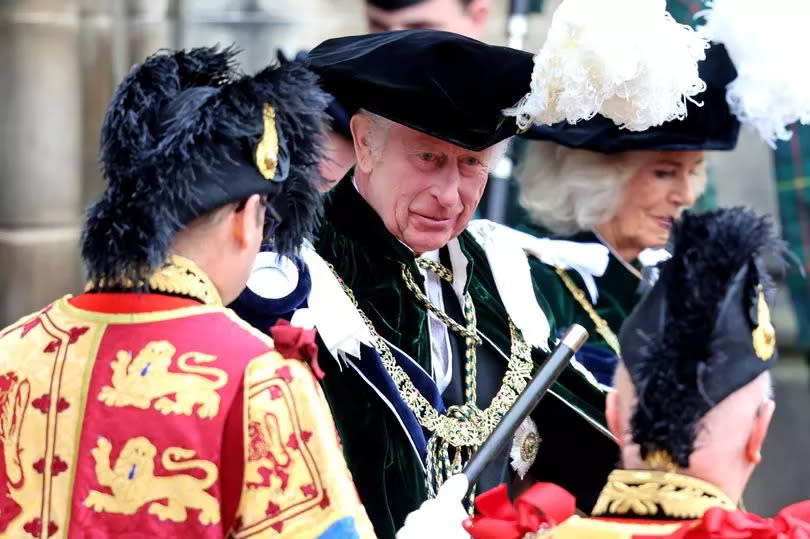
(424,189)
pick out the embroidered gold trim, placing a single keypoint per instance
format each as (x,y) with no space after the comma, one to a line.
(648,492)
(599,323)
(660,458)
(764,335)
(179,276)
(267,149)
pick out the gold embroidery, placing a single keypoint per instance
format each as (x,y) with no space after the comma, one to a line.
(599,323)
(294,476)
(139,381)
(648,492)
(463,428)
(764,335)
(179,276)
(267,150)
(265,449)
(133,482)
(577,527)
(660,458)
(14,395)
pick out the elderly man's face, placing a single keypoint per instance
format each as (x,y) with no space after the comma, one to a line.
(424,189)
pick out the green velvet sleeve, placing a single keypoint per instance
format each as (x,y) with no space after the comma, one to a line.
(617,297)
(557,300)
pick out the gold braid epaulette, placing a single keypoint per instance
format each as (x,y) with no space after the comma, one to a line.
(646,493)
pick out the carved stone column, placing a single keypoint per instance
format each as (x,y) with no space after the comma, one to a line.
(40,153)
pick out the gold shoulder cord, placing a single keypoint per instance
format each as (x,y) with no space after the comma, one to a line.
(599,323)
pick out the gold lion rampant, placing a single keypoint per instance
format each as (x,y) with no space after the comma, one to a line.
(140,380)
(133,482)
(266,451)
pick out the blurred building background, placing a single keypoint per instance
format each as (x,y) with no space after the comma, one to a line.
(61,59)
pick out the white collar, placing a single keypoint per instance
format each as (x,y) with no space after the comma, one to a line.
(273,276)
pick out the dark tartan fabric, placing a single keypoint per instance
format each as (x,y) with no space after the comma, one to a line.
(792,170)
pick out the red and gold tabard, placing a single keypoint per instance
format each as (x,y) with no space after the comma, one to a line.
(635,504)
(125,415)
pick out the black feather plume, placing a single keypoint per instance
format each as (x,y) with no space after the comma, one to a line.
(187,115)
(300,116)
(670,344)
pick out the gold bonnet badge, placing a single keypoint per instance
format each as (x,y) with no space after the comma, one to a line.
(267,150)
(764,335)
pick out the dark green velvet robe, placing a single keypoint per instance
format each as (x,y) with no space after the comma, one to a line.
(387,472)
(619,290)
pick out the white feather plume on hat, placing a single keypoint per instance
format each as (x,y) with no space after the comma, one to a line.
(768,45)
(627,60)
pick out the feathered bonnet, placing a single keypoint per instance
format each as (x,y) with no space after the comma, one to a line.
(596,60)
(186,133)
(703,330)
(750,75)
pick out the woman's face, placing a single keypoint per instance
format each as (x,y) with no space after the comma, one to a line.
(664,184)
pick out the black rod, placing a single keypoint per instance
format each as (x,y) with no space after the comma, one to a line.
(573,340)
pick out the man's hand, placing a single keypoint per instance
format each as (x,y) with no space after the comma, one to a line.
(441,516)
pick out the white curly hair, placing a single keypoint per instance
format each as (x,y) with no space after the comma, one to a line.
(568,190)
(380,126)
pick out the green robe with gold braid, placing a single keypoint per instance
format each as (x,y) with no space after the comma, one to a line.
(384,444)
(617,291)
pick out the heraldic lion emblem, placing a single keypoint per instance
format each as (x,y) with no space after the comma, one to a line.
(140,380)
(133,482)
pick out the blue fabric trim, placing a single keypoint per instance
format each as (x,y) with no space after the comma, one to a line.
(371,366)
(342,529)
(263,313)
(601,362)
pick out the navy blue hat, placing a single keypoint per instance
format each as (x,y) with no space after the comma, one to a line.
(186,133)
(428,80)
(711,126)
(393,5)
(703,330)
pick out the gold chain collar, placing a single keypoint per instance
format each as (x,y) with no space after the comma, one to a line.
(649,493)
(463,428)
(178,276)
(445,274)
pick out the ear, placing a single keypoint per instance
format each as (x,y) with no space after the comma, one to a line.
(338,159)
(612,415)
(248,223)
(478,12)
(753,447)
(361,127)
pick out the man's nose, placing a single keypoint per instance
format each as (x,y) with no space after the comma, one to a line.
(445,189)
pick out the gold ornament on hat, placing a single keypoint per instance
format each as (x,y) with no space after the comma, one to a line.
(267,150)
(764,335)
(660,459)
